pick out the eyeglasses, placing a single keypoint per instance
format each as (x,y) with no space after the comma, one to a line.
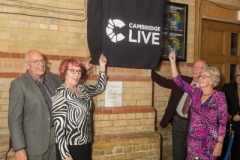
(197,68)
(36,62)
(238,75)
(204,76)
(73,71)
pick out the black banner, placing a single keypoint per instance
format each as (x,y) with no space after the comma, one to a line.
(127,32)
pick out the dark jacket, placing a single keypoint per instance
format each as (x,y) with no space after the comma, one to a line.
(175,96)
(231,93)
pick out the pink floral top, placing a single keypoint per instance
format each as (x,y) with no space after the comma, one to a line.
(207,121)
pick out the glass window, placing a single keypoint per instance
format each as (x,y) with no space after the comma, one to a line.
(234,41)
(233,69)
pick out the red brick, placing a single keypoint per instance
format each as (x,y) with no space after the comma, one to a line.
(5,55)
(10,75)
(52,57)
(17,55)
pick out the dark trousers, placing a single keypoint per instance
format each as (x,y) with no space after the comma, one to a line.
(78,152)
(237,144)
(179,137)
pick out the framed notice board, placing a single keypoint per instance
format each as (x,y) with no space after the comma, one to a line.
(175,31)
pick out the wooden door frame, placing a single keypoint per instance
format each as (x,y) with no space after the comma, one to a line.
(204,10)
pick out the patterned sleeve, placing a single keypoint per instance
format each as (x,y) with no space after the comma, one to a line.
(60,108)
(98,87)
(184,85)
(222,114)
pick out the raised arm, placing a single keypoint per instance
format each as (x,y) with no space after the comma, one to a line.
(101,83)
(172,58)
(102,63)
(177,79)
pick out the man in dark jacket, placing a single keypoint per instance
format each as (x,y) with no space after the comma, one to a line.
(232,92)
(174,108)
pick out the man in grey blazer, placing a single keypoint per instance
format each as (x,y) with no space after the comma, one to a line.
(30,109)
(29,116)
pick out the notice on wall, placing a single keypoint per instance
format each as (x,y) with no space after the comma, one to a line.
(113,94)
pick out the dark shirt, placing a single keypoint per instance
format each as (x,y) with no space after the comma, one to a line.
(47,92)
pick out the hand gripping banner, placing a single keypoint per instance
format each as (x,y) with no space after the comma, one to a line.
(127,32)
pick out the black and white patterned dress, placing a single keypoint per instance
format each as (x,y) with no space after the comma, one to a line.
(71,115)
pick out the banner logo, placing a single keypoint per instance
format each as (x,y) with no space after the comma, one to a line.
(137,33)
(112,28)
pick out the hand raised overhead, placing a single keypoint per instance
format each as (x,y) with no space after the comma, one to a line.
(172,56)
(102,60)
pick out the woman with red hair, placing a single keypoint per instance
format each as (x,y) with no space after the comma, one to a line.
(71,110)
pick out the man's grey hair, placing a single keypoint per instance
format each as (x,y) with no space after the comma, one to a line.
(205,64)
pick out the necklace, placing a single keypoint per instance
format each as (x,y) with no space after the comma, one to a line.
(208,93)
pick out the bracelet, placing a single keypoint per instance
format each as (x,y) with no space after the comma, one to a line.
(220,142)
(102,71)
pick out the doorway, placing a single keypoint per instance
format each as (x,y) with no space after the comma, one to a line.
(220,47)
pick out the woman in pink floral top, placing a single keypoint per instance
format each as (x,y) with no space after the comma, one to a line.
(208,114)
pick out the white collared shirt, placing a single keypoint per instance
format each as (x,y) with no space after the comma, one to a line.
(182,101)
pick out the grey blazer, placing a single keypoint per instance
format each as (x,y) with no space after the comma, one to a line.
(28,114)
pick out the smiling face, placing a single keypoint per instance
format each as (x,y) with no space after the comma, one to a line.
(197,69)
(35,63)
(72,76)
(205,80)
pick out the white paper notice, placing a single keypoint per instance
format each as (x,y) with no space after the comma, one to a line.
(113,94)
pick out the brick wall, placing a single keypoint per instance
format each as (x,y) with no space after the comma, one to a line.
(55,27)
(58,35)
(124,120)
(4,134)
(142,145)
(127,131)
